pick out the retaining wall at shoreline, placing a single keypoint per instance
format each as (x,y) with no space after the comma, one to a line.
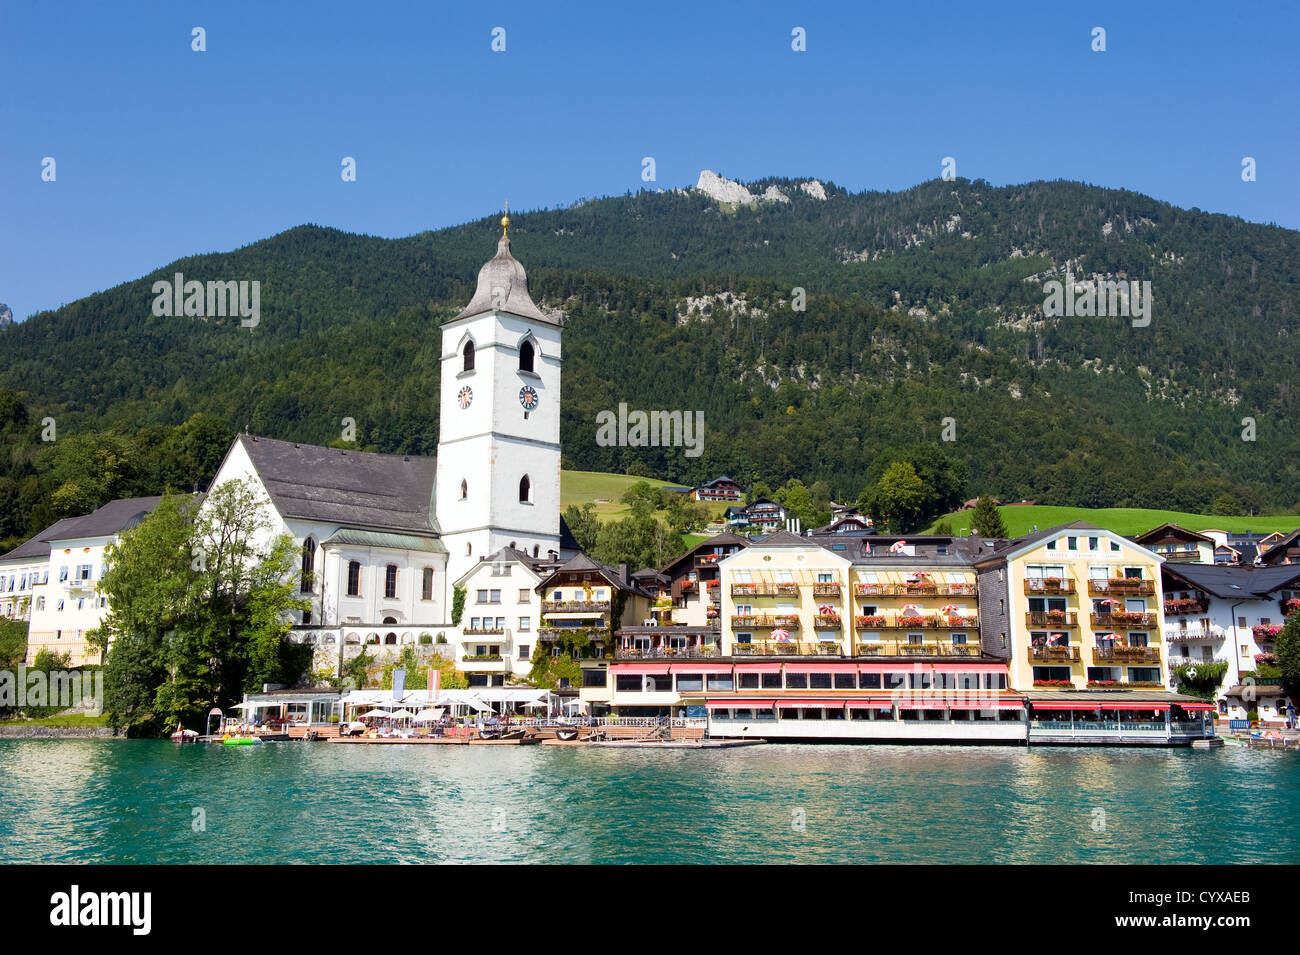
(55,732)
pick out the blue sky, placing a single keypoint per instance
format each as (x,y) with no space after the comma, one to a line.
(162,152)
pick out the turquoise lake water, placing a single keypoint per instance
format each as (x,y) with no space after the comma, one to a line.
(125,801)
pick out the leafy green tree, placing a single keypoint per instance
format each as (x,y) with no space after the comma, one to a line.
(583,525)
(457,604)
(198,613)
(986,519)
(642,498)
(13,643)
(1288,656)
(895,501)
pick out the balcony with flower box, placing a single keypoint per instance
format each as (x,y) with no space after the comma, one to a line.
(1124,586)
(869,590)
(959,590)
(1065,654)
(1186,605)
(575,606)
(1290,605)
(927,648)
(780,648)
(1051,618)
(1126,654)
(484,631)
(1122,619)
(825,621)
(1266,632)
(764,590)
(1049,586)
(825,589)
(764,621)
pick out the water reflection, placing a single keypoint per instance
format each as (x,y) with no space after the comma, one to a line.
(135,802)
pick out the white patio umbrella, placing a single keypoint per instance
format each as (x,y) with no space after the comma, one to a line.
(428,715)
(376,715)
(475,703)
(402,714)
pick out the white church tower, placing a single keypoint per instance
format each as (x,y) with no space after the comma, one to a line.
(499,433)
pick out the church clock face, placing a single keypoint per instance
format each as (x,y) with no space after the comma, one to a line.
(465,396)
(528,397)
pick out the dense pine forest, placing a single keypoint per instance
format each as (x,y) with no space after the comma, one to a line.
(920,306)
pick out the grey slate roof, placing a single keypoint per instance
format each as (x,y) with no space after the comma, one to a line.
(503,286)
(381,492)
(1233,581)
(105,521)
(360,538)
(784,539)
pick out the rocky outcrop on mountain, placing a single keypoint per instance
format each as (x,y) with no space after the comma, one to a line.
(6,315)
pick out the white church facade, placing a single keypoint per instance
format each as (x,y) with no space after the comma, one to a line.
(384,539)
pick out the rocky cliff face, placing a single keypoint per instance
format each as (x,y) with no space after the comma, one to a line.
(6,315)
(721,189)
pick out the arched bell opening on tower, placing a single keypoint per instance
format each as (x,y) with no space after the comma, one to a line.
(526,353)
(525,490)
(468,357)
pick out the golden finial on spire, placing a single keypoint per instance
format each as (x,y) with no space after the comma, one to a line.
(505,221)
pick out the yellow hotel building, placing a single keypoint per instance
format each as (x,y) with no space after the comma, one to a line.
(1078,607)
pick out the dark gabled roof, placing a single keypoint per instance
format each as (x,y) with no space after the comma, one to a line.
(582,563)
(1171,530)
(1233,581)
(724,539)
(650,574)
(1278,549)
(112,518)
(567,540)
(719,480)
(38,546)
(785,539)
(352,488)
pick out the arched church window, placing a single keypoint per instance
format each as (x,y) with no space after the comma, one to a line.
(525,489)
(426,592)
(308,565)
(464,489)
(468,355)
(526,356)
(469,549)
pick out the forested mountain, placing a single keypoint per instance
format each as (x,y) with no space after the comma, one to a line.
(920,305)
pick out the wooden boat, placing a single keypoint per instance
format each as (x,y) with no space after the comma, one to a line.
(183,735)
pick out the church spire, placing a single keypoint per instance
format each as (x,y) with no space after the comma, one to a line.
(503,285)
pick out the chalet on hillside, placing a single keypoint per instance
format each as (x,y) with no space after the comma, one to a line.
(1178,544)
(1286,550)
(719,489)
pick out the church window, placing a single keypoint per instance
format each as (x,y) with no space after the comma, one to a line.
(469,549)
(354,578)
(308,566)
(525,490)
(468,355)
(426,592)
(526,356)
(464,489)
(390,580)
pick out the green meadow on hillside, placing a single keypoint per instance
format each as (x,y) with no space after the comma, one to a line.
(1128,521)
